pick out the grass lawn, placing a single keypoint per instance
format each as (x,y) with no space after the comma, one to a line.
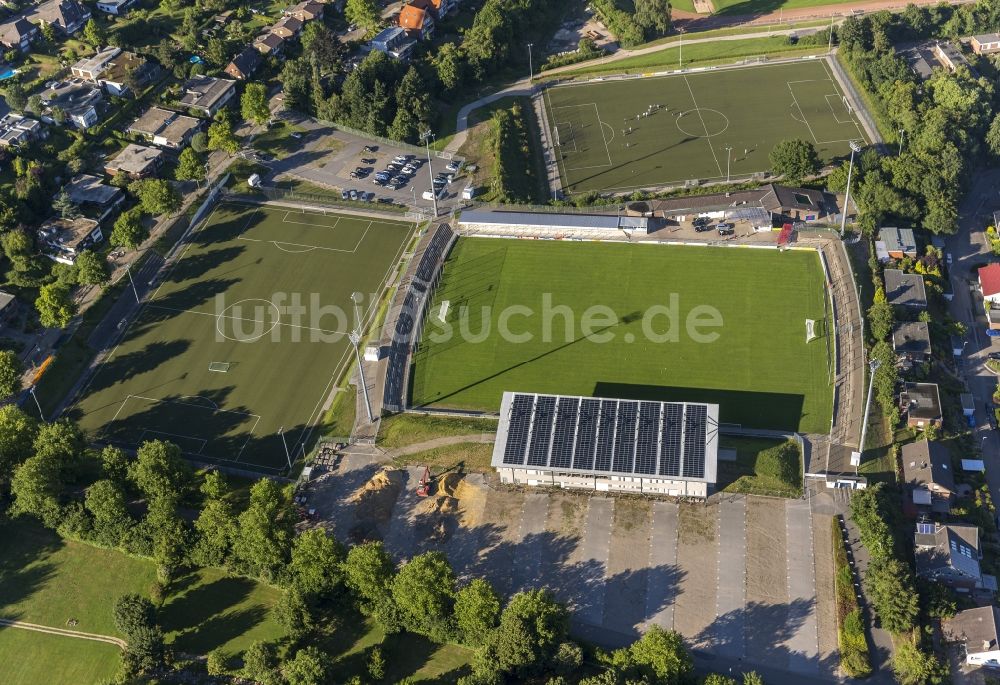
(266,292)
(47,580)
(31,658)
(602,145)
(756,364)
(406,655)
(339,421)
(401,430)
(464,457)
(762,467)
(766,6)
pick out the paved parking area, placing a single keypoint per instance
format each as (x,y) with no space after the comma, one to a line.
(736,576)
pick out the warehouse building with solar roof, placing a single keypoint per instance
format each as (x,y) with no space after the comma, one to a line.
(613,445)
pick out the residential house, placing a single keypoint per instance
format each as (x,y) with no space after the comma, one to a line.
(77,99)
(418,23)
(784,203)
(985,43)
(928,476)
(95,198)
(206,94)
(287,27)
(68,16)
(115,70)
(8,309)
(979,630)
(911,341)
(921,403)
(896,243)
(989,283)
(17,130)
(949,554)
(949,56)
(905,290)
(269,44)
(244,64)
(64,239)
(18,34)
(138,161)
(165,128)
(116,7)
(438,8)
(393,41)
(306,11)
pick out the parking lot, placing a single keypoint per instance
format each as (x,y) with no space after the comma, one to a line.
(330,158)
(738,576)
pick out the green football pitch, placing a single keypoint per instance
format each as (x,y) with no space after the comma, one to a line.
(245,335)
(701,124)
(495,294)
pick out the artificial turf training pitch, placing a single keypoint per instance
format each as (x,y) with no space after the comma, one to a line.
(760,369)
(229,304)
(604,140)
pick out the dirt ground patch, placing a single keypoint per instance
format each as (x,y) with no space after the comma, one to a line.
(567,514)
(698,568)
(628,558)
(826,612)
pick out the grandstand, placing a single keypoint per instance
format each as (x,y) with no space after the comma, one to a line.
(530,224)
(662,448)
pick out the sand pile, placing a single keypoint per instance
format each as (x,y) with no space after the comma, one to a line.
(376,498)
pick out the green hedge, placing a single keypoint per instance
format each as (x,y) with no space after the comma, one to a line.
(854,656)
(620,22)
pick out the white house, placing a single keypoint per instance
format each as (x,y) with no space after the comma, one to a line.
(977,630)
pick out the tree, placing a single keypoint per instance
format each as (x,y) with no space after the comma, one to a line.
(216,530)
(368,570)
(316,563)
(364,13)
(160,471)
(91,269)
(36,486)
(794,159)
(309,667)
(653,17)
(94,34)
(221,137)
(449,65)
(213,485)
(376,663)
(424,591)
(477,610)
(895,599)
(55,306)
(531,628)
(199,142)
(216,660)
(258,663)
(11,370)
(128,230)
(114,464)
(293,614)
(190,166)
(64,205)
(167,535)
(914,667)
(156,196)
(16,95)
(253,103)
(993,137)
(880,319)
(752,678)
(17,433)
(263,536)
(217,51)
(661,654)
(106,503)
(133,612)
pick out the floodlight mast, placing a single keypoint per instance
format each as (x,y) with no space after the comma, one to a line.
(855,147)
(426,137)
(873,367)
(355,338)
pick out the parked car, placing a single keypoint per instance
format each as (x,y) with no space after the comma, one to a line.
(995,355)
(368,196)
(947,258)
(700,221)
(726,228)
(354,194)
(296,135)
(344,195)
(408,170)
(371,148)
(454,166)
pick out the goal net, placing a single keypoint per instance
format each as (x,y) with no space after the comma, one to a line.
(811,330)
(219,367)
(847,105)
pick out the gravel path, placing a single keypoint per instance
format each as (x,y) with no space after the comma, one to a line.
(64,632)
(418,447)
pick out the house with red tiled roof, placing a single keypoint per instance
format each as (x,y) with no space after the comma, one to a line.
(438,8)
(418,23)
(989,283)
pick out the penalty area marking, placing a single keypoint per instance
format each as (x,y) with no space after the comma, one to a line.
(310,248)
(203,441)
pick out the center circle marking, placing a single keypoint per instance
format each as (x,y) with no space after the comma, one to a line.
(715,124)
(275,319)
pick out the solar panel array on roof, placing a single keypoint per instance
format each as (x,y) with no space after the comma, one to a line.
(665,439)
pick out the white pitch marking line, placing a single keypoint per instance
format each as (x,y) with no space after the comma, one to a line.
(804,119)
(708,137)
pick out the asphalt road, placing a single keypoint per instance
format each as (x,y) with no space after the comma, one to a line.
(969,250)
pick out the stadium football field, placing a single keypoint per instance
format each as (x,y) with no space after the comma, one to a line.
(245,335)
(759,367)
(606,137)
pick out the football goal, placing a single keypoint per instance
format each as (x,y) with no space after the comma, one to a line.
(811,330)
